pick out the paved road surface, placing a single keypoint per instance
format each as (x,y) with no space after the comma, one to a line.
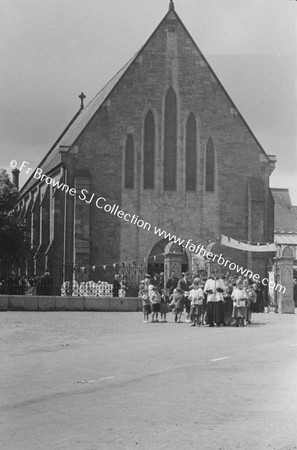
(107,381)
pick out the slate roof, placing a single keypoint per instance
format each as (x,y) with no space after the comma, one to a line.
(87,113)
(75,127)
(281,196)
(285,215)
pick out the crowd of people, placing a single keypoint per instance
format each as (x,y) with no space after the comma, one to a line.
(27,285)
(217,301)
(120,286)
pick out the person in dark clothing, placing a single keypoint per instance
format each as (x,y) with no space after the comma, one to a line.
(161,282)
(33,280)
(259,305)
(155,280)
(116,286)
(219,301)
(171,283)
(228,304)
(184,285)
(45,284)
(13,285)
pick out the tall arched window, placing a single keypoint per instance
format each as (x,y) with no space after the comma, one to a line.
(129,162)
(170,138)
(191,154)
(149,152)
(210,167)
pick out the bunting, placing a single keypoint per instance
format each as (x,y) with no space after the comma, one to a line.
(123,264)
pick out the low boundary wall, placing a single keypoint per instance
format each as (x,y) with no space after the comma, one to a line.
(57,303)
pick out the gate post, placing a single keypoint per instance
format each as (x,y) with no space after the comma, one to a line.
(173,260)
(286,303)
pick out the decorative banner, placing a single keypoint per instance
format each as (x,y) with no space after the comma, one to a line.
(233,243)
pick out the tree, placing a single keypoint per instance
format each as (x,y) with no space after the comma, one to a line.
(8,193)
(12,232)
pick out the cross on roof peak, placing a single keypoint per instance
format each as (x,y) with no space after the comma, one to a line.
(171,5)
(82,97)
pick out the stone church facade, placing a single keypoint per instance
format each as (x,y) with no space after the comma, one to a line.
(164,142)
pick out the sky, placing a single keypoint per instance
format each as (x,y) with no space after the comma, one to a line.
(51,50)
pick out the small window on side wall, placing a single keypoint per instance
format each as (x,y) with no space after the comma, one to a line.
(191,154)
(149,152)
(210,167)
(129,163)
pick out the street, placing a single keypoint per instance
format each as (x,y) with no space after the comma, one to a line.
(80,380)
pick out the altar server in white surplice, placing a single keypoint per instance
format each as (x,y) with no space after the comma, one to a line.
(210,290)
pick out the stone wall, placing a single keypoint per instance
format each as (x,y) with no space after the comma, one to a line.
(49,303)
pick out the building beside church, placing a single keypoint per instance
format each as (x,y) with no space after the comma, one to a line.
(284,267)
(285,222)
(164,143)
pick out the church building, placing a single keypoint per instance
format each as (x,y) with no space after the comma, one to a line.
(161,147)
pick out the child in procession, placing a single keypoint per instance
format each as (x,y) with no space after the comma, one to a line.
(239,296)
(155,299)
(146,304)
(177,300)
(196,297)
(163,306)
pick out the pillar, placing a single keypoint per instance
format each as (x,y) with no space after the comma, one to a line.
(81,244)
(173,260)
(286,303)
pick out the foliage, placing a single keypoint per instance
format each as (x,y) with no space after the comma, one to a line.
(8,193)
(12,230)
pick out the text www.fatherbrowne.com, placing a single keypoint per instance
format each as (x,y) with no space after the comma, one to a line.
(101,203)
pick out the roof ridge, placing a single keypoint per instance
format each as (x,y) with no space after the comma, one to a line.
(111,79)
